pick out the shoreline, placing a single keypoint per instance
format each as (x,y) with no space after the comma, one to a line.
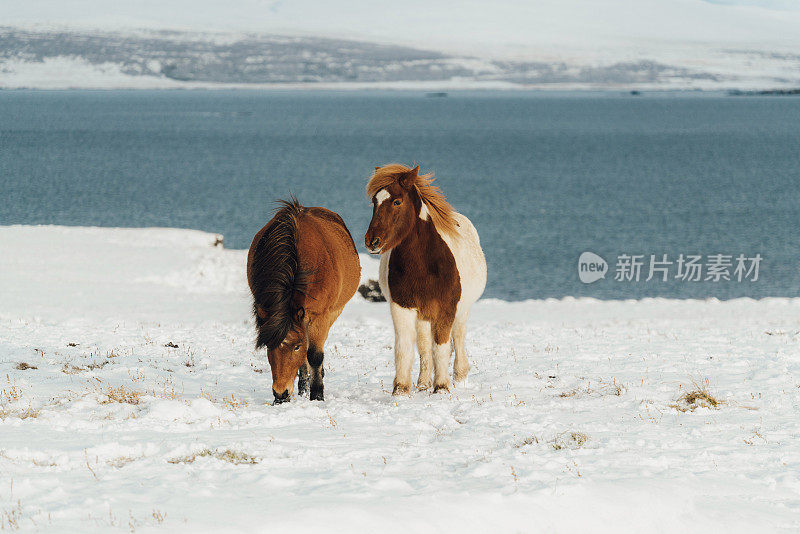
(214,268)
(438,90)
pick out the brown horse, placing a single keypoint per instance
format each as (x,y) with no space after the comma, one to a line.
(432,271)
(302,268)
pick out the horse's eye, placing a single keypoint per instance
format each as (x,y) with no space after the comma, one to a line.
(397,202)
(296,348)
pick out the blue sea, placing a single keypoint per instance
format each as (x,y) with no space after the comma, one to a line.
(543,176)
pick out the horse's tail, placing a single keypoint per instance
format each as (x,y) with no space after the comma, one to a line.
(277,277)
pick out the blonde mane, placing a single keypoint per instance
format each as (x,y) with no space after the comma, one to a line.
(441,212)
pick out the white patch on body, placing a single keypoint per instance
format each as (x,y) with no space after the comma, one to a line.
(423,212)
(470,261)
(381,196)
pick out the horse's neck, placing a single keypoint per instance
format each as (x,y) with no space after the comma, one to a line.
(421,238)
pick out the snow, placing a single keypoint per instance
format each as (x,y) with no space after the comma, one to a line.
(510,28)
(62,72)
(712,45)
(566,424)
(71,72)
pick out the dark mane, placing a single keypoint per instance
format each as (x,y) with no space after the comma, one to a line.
(277,277)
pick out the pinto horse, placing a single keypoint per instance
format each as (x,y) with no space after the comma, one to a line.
(302,269)
(432,271)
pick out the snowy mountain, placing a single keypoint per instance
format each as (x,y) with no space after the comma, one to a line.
(548,43)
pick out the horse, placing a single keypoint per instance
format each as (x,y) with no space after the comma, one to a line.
(432,270)
(302,268)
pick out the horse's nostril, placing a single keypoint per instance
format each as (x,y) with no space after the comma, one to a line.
(283,397)
(375,242)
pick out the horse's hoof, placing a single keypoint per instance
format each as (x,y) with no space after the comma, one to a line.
(317,394)
(461,376)
(444,388)
(401,389)
(422,386)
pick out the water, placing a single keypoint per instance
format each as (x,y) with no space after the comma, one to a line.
(544,177)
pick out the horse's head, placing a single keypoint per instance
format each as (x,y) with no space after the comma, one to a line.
(285,360)
(395,206)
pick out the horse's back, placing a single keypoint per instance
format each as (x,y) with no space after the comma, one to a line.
(326,247)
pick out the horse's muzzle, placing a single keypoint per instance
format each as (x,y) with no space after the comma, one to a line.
(374,245)
(283,397)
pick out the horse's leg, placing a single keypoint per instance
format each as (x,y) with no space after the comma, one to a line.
(441,355)
(317,335)
(302,379)
(404,320)
(460,364)
(424,344)
(316,372)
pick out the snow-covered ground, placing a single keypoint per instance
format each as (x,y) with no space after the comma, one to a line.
(545,44)
(508,29)
(131,399)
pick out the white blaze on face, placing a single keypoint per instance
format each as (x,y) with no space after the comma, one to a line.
(423,212)
(381,196)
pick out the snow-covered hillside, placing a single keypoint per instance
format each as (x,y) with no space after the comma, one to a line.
(547,43)
(132,400)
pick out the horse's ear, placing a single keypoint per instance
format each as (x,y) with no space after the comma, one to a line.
(377,167)
(409,178)
(299,315)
